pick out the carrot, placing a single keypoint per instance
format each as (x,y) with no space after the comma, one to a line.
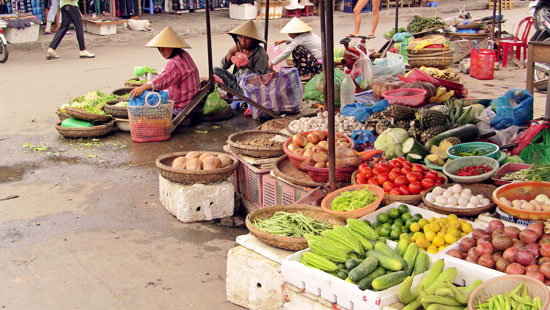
(366,155)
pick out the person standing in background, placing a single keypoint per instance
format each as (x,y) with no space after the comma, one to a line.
(70,13)
(52,15)
(375,17)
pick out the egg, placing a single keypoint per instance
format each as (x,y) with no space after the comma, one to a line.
(437,191)
(516,204)
(480,197)
(430,199)
(463,202)
(485,202)
(475,200)
(467,191)
(470,205)
(465,195)
(430,195)
(456,188)
(456,196)
(447,194)
(452,201)
(441,200)
(449,206)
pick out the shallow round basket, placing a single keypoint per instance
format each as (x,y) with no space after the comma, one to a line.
(432,166)
(285,170)
(411,97)
(116,111)
(527,190)
(478,189)
(505,284)
(122,91)
(284,242)
(470,26)
(326,203)
(62,116)
(227,113)
(490,149)
(451,168)
(130,84)
(237,143)
(438,62)
(164,164)
(86,132)
(277,124)
(87,116)
(470,35)
(427,50)
(122,124)
(430,53)
(320,175)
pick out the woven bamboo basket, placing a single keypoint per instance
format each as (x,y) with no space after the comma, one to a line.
(236,142)
(62,116)
(164,164)
(87,116)
(470,35)
(437,62)
(285,170)
(484,189)
(283,242)
(116,111)
(122,91)
(277,124)
(470,26)
(427,50)
(86,132)
(216,117)
(130,84)
(423,53)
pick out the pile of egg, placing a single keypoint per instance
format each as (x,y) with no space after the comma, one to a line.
(456,197)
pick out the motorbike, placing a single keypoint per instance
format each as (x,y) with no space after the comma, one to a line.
(3,42)
(542,34)
(538,9)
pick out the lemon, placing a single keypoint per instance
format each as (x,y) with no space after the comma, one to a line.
(450,238)
(427,228)
(453,231)
(461,222)
(436,227)
(443,230)
(432,219)
(442,220)
(415,227)
(441,234)
(418,235)
(454,224)
(438,241)
(430,235)
(422,243)
(432,249)
(423,222)
(441,248)
(467,227)
(452,217)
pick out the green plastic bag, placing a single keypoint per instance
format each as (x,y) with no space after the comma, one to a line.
(214,103)
(538,151)
(75,123)
(314,88)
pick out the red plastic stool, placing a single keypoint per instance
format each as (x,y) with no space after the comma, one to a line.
(307,10)
(293,13)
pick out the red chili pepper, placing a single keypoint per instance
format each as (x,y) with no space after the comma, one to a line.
(473,170)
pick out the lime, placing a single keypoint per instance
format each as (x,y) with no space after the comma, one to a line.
(382,239)
(394,213)
(417,217)
(382,218)
(385,232)
(367,222)
(409,222)
(394,234)
(396,226)
(405,216)
(387,225)
(377,229)
(405,229)
(399,221)
(376,225)
(403,209)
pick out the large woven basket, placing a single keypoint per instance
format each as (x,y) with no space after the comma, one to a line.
(164,164)
(526,190)
(86,132)
(285,170)
(424,53)
(116,111)
(438,62)
(283,242)
(470,35)
(87,116)
(451,168)
(477,189)
(428,50)
(62,116)
(237,143)
(122,91)
(277,124)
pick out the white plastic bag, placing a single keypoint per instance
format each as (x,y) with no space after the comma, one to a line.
(502,137)
(361,72)
(392,65)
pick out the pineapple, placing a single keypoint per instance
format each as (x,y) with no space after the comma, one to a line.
(402,124)
(434,159)
(399,112)
(452,140)
(431,132)
(432,118)
(383,125)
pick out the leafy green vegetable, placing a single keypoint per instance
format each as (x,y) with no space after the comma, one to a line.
(513,159)
(419,24)
(353,200)
(534,173)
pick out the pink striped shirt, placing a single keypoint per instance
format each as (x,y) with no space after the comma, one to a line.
(181,79)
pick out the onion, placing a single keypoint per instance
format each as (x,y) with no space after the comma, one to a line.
(501,242)
(484,248)
(545,269)
(456,253)
(537,227)
(524,257)
(486,261)
(528,236)
(515,268)
(495,225)
(535,274)
(510,254)
(545,249)
(299,140)
(501,264)
(466,244)
(532,267)
(511,231)
(533,248)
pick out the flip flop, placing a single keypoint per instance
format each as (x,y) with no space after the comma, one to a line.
(371,36)
(50,57)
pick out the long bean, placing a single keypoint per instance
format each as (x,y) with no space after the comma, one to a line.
(290,224)
(534,173)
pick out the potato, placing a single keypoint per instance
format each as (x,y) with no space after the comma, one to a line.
(179,163)
(211,162)
(193,154)
(320,165)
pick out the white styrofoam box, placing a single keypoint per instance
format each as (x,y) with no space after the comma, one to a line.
(25,35)
(245,11)
(253,281)
(101,29)
(254,244)
(197,202)
(297,299)
(413,210)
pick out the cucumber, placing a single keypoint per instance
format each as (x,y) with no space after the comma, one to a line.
(410,256)
(414,158)
(432,275)
(352,263)
(342,274)
(411,146)
(465,133)
(402,246)
(366,282)
(421,263)
(387,262)
(388,280)
(367,266)
(398,150)
(386,250)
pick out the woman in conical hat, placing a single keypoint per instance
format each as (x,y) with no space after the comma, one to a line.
(180,77)
(305,47)
(247,47)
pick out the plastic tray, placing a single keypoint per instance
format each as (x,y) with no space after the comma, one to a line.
(506,168)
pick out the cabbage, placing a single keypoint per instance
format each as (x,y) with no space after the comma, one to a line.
(399,135)
(389,138)
(477,109)
(383,142)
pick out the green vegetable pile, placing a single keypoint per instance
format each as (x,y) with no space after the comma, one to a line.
(473,153)
(512,300)
(290,224)
(534,173)
(353,200)
(513,159)
(390,33)
(92,102)
(419,24)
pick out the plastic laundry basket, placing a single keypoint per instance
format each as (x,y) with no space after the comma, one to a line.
(151,122)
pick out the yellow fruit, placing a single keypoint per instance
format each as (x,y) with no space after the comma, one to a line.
(450,238)
(441,234)
(454,224)
(427,228)
(432,219)
(430,235)
(461,222)
(436,227)
(443,230)
(452,217)
(415,227)
(467,227)
(442,220)
(418,235)
(462,235)
(441,248)
(422,243)
(422,222)
(432,249)
(438,241)
(405,236)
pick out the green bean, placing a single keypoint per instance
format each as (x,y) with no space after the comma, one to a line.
(290,224)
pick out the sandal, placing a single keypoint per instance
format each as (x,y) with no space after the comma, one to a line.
(47,32)
(50,57)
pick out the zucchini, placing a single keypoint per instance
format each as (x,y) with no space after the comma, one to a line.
(421,263)
(411,146)
(465,133)
(352,263)
(388,280)
(366,282)
(367,266)
(414,158)
(387,262)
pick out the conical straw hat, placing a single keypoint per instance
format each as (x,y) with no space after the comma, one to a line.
(295,25)
(248,29)
(167,38)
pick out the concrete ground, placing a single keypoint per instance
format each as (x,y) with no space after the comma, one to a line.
(87,230)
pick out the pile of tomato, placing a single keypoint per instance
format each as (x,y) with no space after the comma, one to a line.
(398,177)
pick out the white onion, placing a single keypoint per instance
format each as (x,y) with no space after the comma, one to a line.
(452,201)
(474,200)
(462,202)
(437,191)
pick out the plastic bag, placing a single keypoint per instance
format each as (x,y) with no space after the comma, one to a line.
(538,151)
(273,51)
(360,136)
(527,136)
(393,64)
(151,100)
(361,72)
(314,88)
(214,103)
(515,107)
(419,75)
(362,111)
(400,36)
(240,60)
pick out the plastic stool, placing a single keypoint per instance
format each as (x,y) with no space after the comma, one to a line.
(432,4)
(292,13)
(307,10)
(149,8)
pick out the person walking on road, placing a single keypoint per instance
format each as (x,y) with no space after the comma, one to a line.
(52,16)
(375,17)
(70,13)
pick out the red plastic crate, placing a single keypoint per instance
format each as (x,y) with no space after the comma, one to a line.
(277,192)
(509,167)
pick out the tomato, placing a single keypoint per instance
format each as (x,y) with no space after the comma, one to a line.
(376,171)
(388,186)
(412,177)
(368,173)
(372,181)
(360,179)
(422,191)
(427,183)
(395,164)
(418,168)
(438,183)
(395,191)
(419,176)
(394,173)
(400,180)
(407,164)
(415,187)
(382,177)
(382,167)
(404,189)
(440,179)
(363,167)
(431,175)
(405,170)
(401,159)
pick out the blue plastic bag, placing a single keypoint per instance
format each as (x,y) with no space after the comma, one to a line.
(515,107)
(400,36)
(362,111)
(152,100)
(360,136)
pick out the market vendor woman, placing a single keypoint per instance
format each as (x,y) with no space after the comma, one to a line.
(180,77)
(247,41)
(304,46)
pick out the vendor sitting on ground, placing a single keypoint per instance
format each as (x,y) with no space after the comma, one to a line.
(180,77)
(247,41)
(305,47)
